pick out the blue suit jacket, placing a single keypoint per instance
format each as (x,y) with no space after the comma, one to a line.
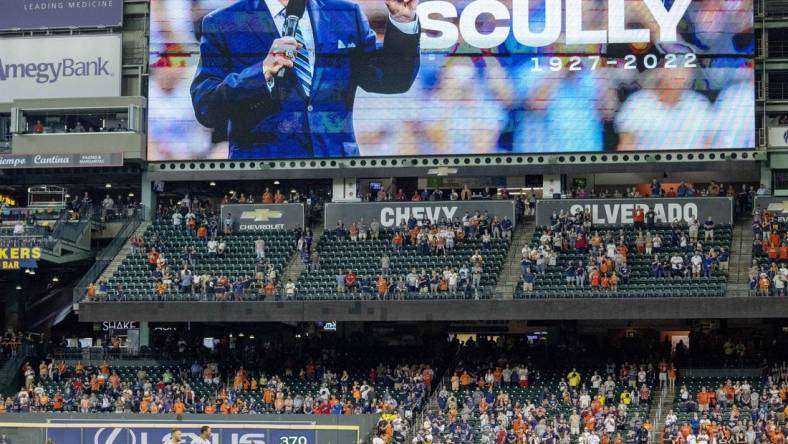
(229,89)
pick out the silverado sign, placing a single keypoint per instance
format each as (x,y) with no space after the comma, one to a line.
(619,211)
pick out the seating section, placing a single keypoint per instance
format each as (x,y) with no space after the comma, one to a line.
(642,282)
(733,404)
(238,262)
(477,420)
(364,258)
(684,411)
(157,389)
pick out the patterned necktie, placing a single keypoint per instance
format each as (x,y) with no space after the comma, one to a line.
(301,62)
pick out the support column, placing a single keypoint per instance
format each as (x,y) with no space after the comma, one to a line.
(766,176)
(13,305)
(144,334)
(345,189)
(147,197)
(551,185)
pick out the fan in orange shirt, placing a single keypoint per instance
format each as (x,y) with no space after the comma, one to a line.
(465,379)
(95,384)
(383,286)
(595,279)
(144,405)
(426,376)
(703,399)
(774,238)
(57,402)
(179,408)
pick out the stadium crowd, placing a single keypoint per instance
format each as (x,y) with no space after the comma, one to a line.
(429,239)
(734,410)
(768,273)
(606,251)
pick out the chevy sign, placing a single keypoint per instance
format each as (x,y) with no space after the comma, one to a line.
(60,67)
(619,211)
(392,214)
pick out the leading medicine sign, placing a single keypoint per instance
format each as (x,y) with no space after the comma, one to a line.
(38,14)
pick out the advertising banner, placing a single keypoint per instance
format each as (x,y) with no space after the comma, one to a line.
(40,14)
(483,77)
(17,258)
(261,217)
(18,161)
(392,214)
(619,211)
(778,136)
(60,67)
(776,205)
(117,434)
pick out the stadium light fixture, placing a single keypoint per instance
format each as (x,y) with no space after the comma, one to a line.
(131,194)
(276,182)
(212,183)
(251,336)
(55,279)
(18,287)
(241,335)
(32,272)
(109,185)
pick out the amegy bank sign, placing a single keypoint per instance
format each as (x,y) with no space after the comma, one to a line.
(620,211)
(392,214)
(60,67)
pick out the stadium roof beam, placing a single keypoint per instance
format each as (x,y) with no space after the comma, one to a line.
(510,164)
(440,310)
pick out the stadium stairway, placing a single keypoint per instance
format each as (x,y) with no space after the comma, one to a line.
(121,256)
(661,405)
(296,265)
(741,256)
(510,273)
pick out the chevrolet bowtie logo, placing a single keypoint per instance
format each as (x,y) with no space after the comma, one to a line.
(442,171)
(778,207)
(261,215)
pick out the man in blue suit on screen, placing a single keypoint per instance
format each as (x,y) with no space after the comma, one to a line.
(291,95)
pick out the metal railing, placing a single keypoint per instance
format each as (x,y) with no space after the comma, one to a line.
(198,297)
(106,255)
(776,8)
(776,91)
